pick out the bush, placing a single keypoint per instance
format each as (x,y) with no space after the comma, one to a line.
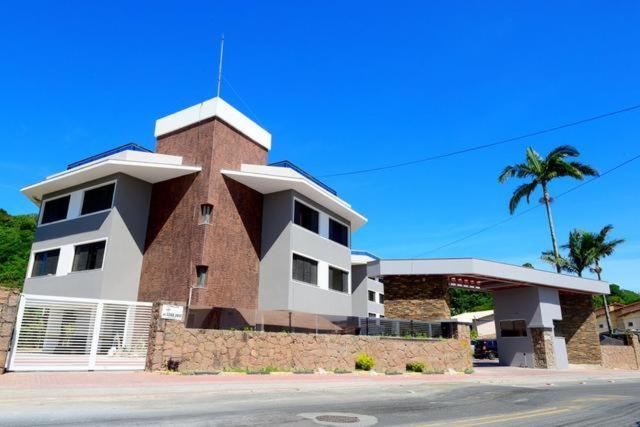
(365,362)
(392,372)
(304,371)
(433,371)
(341,371)
(469,371)
(415,367)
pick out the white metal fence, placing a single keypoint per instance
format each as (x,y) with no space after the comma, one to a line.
(72,334)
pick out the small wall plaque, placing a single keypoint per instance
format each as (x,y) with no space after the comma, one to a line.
(172,312)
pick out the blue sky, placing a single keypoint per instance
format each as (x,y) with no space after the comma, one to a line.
(348,85)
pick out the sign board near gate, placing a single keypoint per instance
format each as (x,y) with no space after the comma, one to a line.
(172,312)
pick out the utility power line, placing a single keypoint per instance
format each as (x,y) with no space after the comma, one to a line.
(484,146)
(519,214)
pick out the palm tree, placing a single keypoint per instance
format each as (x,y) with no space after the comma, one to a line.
(601,249)
(542,171)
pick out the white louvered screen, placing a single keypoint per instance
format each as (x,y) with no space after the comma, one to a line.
(70,334)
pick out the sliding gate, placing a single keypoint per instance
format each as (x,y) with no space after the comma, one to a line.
(74,334)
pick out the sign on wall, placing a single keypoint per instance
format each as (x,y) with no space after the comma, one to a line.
(172,312)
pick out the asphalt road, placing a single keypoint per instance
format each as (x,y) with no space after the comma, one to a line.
(597,403)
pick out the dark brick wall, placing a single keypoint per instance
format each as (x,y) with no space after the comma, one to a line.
(416,297)
(229,246)
(578,327)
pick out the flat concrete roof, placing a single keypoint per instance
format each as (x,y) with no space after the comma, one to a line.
(483,275)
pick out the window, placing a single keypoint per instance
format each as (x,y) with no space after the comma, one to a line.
(97,199)
(45,263)
(338,280)
(601,326)
(305,269)
(630,324)
(55,210)
(373,315)
(305,217)
(205,213)
(372,296)
(338,232)
(201,276)
(513,328)
(381,298)
(88,256)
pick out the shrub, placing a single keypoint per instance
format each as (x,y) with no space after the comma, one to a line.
(415,367)
(173,365)
(469,371)
(434,371)
(392,372)
(341,371)
(365,362)
(303,371)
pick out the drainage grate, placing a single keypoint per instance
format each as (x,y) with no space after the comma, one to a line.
(342,419)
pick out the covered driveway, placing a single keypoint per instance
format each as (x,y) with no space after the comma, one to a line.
(543,319)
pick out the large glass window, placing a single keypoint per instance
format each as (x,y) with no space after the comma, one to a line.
(338,232)
(88,256)
(201,276)
(305,269)
(338,280)
(45,263)
(98,199)
(381,298)
(55,210)
(305,217)
(372,296)
(513,328)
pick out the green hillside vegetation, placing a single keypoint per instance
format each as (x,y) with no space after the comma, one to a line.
(463,300)
(621,296)
(16,235)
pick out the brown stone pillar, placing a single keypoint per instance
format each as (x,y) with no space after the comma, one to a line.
(578,327)
(9,301)
(543,353)
(416,297)
(635,344)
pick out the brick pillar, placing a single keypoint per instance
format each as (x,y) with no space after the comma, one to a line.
(416,297)
(9,301)
(578,327)
(543,354)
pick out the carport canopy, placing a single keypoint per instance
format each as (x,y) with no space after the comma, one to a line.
(483,275)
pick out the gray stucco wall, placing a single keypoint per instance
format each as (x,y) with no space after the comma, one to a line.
(280,239)
(124,227)
(361,285)
(537,306)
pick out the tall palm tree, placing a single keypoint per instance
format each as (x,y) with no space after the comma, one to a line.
(542,171)
(601,249)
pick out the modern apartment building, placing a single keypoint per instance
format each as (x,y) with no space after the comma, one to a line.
(204,219)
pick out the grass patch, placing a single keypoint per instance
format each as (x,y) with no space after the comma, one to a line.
(341,371)
(304,371)
(469,371)
(432,371)
(392,372)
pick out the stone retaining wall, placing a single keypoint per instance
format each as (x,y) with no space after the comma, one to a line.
(622,356)
(578,326)
(9,300)
(211,349)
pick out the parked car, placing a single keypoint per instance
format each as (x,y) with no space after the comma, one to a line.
(485,349)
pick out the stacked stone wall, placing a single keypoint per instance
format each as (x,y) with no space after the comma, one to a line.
(622,356)
(417,297)
(211,349)
(9,300)
(578,326)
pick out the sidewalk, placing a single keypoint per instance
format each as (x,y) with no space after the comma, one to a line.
(12,382)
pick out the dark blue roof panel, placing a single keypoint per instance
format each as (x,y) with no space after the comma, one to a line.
(130,147)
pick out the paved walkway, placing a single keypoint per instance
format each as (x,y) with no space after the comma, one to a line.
(483,375)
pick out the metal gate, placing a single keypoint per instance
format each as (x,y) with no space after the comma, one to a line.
(76,334)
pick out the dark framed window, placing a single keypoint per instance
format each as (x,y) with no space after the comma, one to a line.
(45,263)
(55,210)
(88,256)
(305,217)
(206,210)
(372,315)
(201,276)
(381,298)
(630,323)
(372,296)
(98,199)
(513,328)
(305,269)
(338,232)
(338,280)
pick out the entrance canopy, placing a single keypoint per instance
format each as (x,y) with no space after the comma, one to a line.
(483,275)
